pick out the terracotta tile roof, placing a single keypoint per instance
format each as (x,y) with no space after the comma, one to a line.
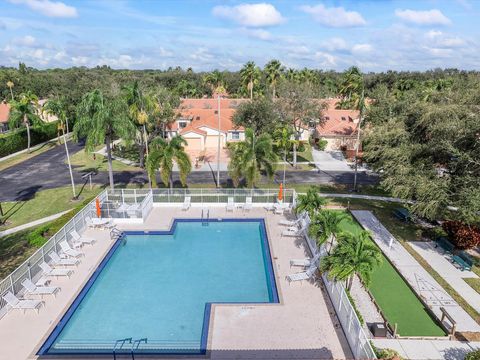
(337,122)
(210,103)
(4,112)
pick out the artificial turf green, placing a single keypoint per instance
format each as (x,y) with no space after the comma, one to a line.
(398,302)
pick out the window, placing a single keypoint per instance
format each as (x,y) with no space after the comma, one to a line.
(344,118)
(182,124)
(197,118)
(216,112)
(235,135)
(327,118)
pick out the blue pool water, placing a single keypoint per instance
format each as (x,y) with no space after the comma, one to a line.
(157,286)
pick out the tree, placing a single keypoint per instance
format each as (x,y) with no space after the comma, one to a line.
(250,157)
(214,79)
(99,120)
(350,88)
(57,108)
(310,202)
(24,112)
(298,107)
(259,115)
(10,86)
(325,226)
(355,254)
(250,74)
(273,71)
(283,140)
(162,156)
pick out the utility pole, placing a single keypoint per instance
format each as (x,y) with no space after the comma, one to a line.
(69,164)
(218,149)
(361,106)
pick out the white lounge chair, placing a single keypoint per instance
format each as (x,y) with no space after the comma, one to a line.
(22,304)
(248,204)
(49,271)
(294,232)
(67,250)
(98,223)
(58,261)
(81,239)
(293,222)
(305,262)
(230,204)
(305,275)
(187,203)
(32,289)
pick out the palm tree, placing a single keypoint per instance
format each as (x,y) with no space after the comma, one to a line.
(24,112)
(354,254)
(99,120)
(283,139)
(213,79)
(274,71)
(310,202)
(161,157)
(325,226)
(291,74)
(57,108)
(250,74)
(10,86)
(250,157)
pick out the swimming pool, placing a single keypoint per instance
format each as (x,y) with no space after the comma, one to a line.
(159,286)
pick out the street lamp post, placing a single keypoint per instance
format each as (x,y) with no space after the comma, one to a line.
(361,105)
(218,148)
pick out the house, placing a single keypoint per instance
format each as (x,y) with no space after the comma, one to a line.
(44,115)
(338,127)
(202,121)
(4,115)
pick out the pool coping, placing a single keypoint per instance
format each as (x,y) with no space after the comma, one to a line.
(271,278)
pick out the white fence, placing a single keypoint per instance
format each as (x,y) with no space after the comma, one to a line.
(356,337)
(30,268)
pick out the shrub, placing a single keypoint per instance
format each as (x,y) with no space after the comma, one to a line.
(473,355)
(434,232)
(322,144)
(301,146)
(16,140)
(463,236)
(388,354)
(354,305)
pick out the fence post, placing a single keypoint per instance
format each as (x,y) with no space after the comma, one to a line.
(135,195)
(11,285)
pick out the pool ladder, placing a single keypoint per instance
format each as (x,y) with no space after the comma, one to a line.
(205,219)
(135,344)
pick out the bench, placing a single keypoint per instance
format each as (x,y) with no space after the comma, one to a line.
(402,214)
(444,244)
(463,261)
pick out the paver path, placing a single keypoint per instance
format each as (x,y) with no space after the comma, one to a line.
(418,278)
(449,272)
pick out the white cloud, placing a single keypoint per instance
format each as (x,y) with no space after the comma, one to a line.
(325,59)
(257,33)
(426,17)
(49,8)
(359,49)
(335,44)
(442,40)
(27,41)
(334,16)
(254,15)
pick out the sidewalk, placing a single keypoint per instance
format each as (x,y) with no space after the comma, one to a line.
(419,279)
(33,223)
(428,349)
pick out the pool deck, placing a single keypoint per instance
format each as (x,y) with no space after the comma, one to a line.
(302,326)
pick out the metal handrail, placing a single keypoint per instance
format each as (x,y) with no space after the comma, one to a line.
(121,342)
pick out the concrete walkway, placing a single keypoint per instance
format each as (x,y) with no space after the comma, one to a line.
(428,349)
(448,271)
(33,223)
(366,197)
(419,279)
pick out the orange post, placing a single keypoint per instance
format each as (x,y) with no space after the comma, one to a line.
(99,209)
(280,192)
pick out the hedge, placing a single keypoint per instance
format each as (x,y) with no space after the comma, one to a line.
(16,140)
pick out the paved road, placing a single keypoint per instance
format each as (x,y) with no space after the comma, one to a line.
(48,170)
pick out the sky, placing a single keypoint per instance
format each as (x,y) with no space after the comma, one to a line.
(207,34)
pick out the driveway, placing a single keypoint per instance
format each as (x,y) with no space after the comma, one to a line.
(48,170)
(330,161)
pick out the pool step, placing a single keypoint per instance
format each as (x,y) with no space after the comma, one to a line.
(115,234)
(206,218)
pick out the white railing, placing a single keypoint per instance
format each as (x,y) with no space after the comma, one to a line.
(356,337)
(30,268)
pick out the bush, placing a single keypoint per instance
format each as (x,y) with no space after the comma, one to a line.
(463,236)
(301,146)
(16,140)
(360,317)
(388,354)
(434,233)
(473,355)
(322,144)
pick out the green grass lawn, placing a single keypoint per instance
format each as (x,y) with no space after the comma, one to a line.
(302,156)
(474,283)
(84,162)
(45,203)
(398,302)
(14,250)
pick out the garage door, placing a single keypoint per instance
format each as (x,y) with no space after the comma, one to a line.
(212,141)
(194,144)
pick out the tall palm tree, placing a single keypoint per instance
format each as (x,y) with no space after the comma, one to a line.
(325,226)
(250,157)
(214,79)
(57,108)
(283,139)
(354,254)
(99,120)
(24,111)
(250,74)
(273,71)
(291,74)
(161,157)
(310,202)
(10,85)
